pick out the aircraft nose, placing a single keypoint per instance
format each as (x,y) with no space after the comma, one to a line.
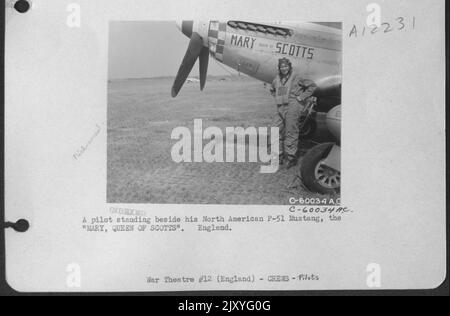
(186,27)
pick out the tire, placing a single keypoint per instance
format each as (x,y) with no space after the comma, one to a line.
(316,177)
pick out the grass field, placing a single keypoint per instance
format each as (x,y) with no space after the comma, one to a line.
(141,117)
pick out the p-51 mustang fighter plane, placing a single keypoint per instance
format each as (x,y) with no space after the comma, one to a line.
(315,50)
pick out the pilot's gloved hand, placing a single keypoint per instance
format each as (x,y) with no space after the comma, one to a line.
(272,92)
(306,89)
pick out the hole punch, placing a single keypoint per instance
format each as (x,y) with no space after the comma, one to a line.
(22,6)
(21,226)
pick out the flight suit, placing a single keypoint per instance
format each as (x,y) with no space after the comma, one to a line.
(291,96)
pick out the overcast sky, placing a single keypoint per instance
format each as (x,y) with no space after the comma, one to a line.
(150,49)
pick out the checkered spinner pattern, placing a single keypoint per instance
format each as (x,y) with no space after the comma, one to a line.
(216,36)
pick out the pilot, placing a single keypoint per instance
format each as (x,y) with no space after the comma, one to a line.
(291,93)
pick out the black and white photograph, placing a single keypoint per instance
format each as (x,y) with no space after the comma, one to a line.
(191,107)
(225,147)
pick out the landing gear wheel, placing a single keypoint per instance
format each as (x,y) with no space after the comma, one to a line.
(316,175)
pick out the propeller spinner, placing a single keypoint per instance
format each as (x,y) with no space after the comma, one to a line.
(197,49)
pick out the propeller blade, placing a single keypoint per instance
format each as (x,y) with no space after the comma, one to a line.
(204,58)
(192,53)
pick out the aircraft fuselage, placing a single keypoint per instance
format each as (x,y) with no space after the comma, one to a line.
(315,51)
